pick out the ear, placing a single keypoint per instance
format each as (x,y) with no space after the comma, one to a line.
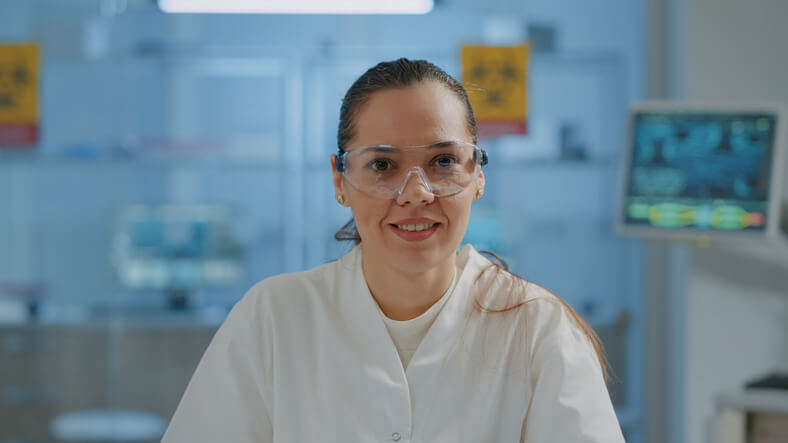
(480,181)
(337,179)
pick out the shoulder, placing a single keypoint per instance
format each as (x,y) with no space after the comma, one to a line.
(298,290)
(543,313)
(547,315)
(294,283)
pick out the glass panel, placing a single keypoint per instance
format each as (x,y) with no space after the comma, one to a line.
(153,120)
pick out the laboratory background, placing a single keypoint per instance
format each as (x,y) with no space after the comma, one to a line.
(156,162)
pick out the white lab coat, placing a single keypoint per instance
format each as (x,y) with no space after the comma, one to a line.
(306,357)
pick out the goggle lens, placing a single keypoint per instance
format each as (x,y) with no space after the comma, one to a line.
(445,168)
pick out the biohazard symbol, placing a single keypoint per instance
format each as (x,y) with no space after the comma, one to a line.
(19,83)
(495,78)
(15,78)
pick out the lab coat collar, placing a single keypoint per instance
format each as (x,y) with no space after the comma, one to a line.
(443,333)
(385,372)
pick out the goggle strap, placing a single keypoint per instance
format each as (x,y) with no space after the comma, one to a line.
(483,153)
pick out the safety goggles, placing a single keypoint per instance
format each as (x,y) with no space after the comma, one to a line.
(383,171)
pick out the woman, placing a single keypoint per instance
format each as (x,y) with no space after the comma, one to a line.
(404,339)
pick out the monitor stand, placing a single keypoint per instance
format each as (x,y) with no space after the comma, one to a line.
(178,299)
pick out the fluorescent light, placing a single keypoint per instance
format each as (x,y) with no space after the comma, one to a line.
(298,6)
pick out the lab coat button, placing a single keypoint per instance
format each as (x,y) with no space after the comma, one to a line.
(395,436)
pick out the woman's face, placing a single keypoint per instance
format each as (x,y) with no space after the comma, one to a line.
(418,115)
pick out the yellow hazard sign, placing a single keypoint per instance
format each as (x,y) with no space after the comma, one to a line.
(495,78)
(19,69)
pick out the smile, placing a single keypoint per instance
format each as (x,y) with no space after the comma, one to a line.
(414,232)
(416,228)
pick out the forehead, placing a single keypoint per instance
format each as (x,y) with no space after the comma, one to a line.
(416,115)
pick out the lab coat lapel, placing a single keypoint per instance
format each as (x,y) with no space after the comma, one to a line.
(399,396)
(388,384)
(369,325)
(447,328)
(430,360)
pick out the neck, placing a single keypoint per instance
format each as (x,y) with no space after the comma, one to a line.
(405,295)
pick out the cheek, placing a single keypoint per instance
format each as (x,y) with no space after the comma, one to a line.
(368,212)
(458,210)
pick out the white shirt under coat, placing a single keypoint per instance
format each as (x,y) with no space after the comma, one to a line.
(306,357)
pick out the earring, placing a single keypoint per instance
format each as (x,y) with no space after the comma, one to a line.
(479,193)
(341,199)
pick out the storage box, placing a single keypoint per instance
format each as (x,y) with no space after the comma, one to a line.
(768,427)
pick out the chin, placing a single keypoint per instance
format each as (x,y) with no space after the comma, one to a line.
(415,259)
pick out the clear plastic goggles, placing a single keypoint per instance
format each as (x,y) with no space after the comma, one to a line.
(383,171)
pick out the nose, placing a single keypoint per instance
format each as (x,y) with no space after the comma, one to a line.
(415,189)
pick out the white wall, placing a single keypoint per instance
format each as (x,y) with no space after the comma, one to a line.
(737,304)
(666,263)
(738,51)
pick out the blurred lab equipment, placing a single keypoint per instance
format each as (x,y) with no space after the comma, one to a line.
(108,425)
(20,302)
(175,248)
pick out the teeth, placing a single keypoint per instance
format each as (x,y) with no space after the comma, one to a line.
(414,228)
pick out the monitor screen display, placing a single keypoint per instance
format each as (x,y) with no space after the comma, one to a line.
(700,170)
(176,246)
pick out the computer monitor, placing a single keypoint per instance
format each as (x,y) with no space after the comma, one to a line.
(176,248)
(694,170)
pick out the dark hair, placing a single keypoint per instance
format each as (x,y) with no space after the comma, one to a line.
(402,73)
(399,73)
(394,74)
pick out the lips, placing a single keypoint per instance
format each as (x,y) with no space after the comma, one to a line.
(418,224)
(415,229)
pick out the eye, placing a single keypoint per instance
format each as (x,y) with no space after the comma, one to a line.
(445,161)
(380,164)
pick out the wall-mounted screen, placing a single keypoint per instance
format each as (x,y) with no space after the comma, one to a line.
(693,170)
